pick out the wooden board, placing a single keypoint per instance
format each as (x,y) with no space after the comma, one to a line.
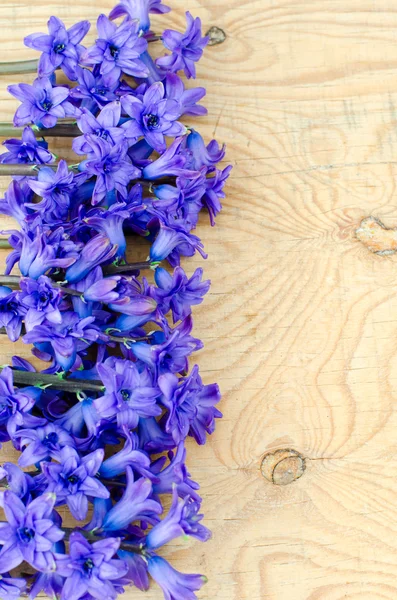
(300,326)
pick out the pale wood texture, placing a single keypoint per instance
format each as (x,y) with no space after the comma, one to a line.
(299,327)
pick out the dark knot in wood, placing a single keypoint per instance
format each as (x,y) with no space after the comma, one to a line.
(283,466)
(216,35)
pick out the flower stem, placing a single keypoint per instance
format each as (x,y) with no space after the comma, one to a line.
(92,537)
(13,281)
(19,67)
(60,130)
(31,169)
(45,380)
(114,269)
(5,245)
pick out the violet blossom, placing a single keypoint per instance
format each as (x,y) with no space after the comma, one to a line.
(187,48)
(117,50)
(42,104)
(60,47)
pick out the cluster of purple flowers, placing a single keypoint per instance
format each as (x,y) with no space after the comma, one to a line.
(102,429)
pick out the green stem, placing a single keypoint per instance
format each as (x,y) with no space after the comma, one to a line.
(93,537)
(60,130)
(24,170)
(5,245)
(45,380)
(19,67)
(114,269)
(13,281)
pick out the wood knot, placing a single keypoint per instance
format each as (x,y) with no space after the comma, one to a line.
(376,237)
(216,35)
(283,466)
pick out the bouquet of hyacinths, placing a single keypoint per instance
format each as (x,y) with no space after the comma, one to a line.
(101,431)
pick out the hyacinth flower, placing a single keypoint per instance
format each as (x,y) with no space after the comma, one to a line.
(55,187)
(111,166)
(135,505)
(139,9)
(29,533)
(117,50)
(182,519)
(11,313)
(187,48)
(178,293)
(92,89)
(73,480)
(26,150)
(60,47)
(105,126)
(187,98)
(90,569)
(175,585)
(42,104)
(104,425)
(153,117)
(41,301)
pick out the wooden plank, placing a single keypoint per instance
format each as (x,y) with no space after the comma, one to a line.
(299,327)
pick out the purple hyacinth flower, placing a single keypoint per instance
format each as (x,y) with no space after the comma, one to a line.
(214,191)
(152,438)
(170,243)
(117,50)
(55,187)
(29,533)
(15,197)
(73,480)
(105,126)
(191,406)
(172,354)
(11,588)
(175,585)
(182,519)
(187,48)
(110,223)
(65,340)
(111,166)
(187,99)
(40,300)
(90,569)
(17,481)
(60,47)
(177,292)
(42,104)
(135,505)
(130,393)
(14,403)
(108,289)
(137,569)
(82,415)
(175,473)
(202,155)
(92,89)
(171,163)
(98,250)
(129,455)
(152,116)
(11,313)
(26,150)
(42,443)
(49,583)
(40,251)
(139,9)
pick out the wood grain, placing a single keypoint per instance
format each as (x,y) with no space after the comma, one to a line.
(300,325)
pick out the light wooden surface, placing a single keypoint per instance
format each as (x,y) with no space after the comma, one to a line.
(300,326)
